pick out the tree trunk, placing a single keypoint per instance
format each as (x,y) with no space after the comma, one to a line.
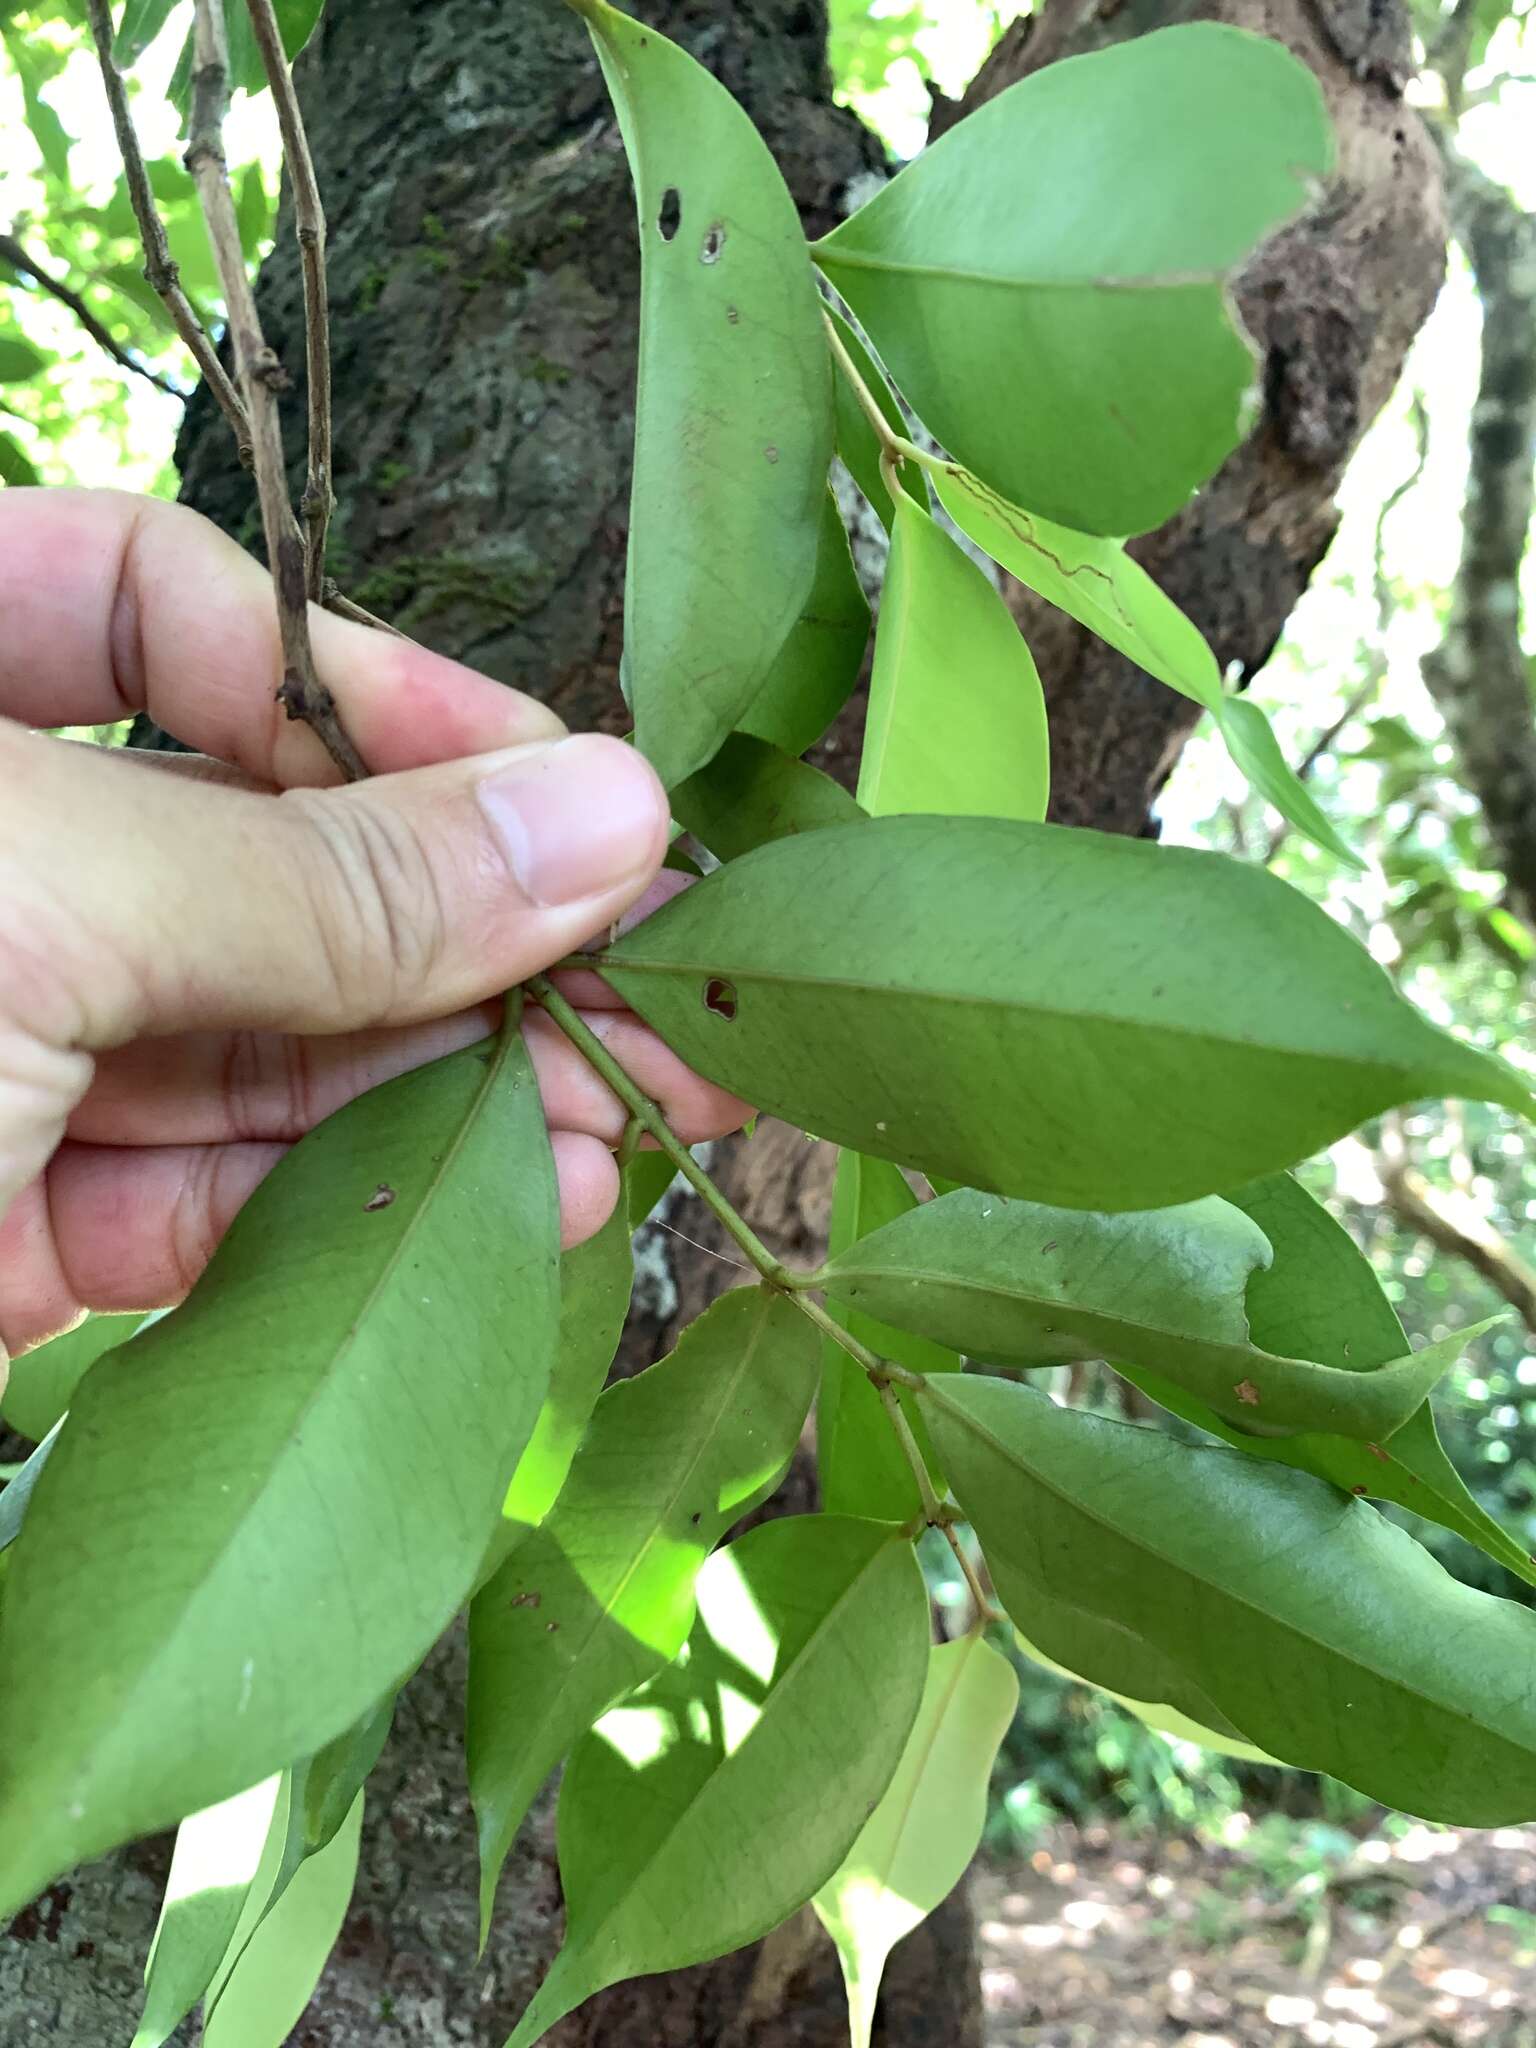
(484,276)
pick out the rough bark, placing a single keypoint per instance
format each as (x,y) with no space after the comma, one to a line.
(1478,675)
(484,278)
(1332,304)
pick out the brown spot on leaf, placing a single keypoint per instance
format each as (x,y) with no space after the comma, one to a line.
(1247,1393)
(714,242)
(1359,1489)
(381,1198)
(1377,1452)
(771,452)
(550,1627)
(1051,1246)
(526,1599)
(694,1518)
(720,996)
(733,316)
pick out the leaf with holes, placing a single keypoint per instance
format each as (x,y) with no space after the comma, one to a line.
(1077,351)
(1318,1629)
(269,1505)
(601,1595)
(703,1811)
(733,423)
(918,1843)
(1080,1019)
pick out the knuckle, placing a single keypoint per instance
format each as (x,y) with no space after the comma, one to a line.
(377,907)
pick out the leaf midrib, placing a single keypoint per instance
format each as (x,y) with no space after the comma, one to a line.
(862,259)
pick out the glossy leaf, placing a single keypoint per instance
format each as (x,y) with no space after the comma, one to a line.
(268,1507)
(1157,1715)
(752,793)
(860,1463)
(857,442)
(917,1844)
(1320,1298)
(733,425)
(704,1811)
(956,713)
(275,1978)
(814,672)
(1020,1283)
(1074,346)
(1097,583)
(217,1857)
(1320,1630)
(601,1595)
(43,1382)
(1069,1016)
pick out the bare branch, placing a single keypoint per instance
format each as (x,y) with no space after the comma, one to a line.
(1451,1219)
(344,607)
(12,252)
(309,223)
(261,378)
(159,270)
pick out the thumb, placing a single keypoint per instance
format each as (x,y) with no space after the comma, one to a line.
(137,903)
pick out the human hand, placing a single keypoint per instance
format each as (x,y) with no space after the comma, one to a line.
(199,961)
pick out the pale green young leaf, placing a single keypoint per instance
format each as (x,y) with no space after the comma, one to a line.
(600,1596)
(1097,583)
(814,672)
(43,1382)
(710,1806)
(956,718)
(917,1844)
(1069,1016)
(1317,1628)
(733,424)
(214,1865)
(1077,350)
(859,1461)
(751,793)
(1022,1283)
(314,1447)
(857,442)
(1156,1714)
(264,1997)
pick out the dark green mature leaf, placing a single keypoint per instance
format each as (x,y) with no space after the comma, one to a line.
(956,713)
(857,442)
(1320,1299)
(1156,1714)
(16,466)
(268,1507)
(1096,312)
(705,1810)
(752,793)
(733,426)
(1319,1629)
(19,360)
(860,1463)
(254,213)
(646,1179)
(43,1382)
(215,1865)
(1021,1283)
(1068,1016)
(1097,583)
(814,672)
(601,1595)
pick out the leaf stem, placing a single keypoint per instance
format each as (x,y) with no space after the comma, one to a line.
(644,1112)
(891,443)
(986,1608)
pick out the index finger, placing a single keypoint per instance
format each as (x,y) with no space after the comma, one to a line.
(116,604)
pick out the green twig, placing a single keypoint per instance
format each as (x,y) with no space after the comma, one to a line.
(891,443)
(933,1507)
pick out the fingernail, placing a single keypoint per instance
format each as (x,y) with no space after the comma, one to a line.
(576,819)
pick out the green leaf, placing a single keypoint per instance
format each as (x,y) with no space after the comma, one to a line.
(1097,583)
(860,1463)
(1020,1283)
(275,1978)
(956,713)
(647,1179)
(1321,1299)
(49,133)
(704,1811)
(1068,245)
(314,1448)
(16,1494)
(43,1382)
(1069,1016)
(601,1595)
(857,442)
(814,672)
(752,793)
(733,423)
(1156,1714)
(1320,1630)
(19,360)
(129,279)
(217,1858)
(917,1844)
(254,212)
(16,466)
(595,1283)
(142,21)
